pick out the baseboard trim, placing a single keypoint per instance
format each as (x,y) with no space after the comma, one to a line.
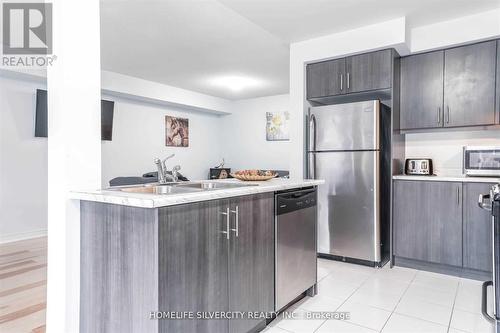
(442,269)
(18,236)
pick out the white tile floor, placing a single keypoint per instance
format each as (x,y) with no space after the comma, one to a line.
(396,300)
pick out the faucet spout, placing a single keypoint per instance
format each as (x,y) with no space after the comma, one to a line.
(160,166)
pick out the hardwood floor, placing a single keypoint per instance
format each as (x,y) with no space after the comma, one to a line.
(23,286)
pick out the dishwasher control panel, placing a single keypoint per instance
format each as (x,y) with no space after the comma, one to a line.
(291,201)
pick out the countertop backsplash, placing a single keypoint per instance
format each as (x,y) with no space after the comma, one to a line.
(445,148)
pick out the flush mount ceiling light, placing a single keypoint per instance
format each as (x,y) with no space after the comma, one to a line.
(236,83)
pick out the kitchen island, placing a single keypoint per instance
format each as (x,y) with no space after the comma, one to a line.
(199,258)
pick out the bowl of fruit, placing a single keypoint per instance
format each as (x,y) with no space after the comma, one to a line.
(254,175)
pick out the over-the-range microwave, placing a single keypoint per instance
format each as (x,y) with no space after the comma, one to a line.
(481,161)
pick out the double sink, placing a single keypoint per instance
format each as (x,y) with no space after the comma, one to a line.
(179,187)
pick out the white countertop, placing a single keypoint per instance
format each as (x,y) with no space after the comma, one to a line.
(158,200)
(450,178)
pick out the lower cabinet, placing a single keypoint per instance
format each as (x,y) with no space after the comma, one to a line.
(192,265)
(477,229)
(251,258)
(428,221)
(205,258)
(441,223)
(217,256)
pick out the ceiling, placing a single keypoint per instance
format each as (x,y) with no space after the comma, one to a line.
(194,44)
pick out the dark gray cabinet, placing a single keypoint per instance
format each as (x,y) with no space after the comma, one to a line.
(251,258)
(369,71)
(497,119)
(360,73)
(118,268)
(326,78)
(217,256)
(193,254)
(450,88)
(410,220)
(422,90)
(477,229)
(441,223)
(428,221)
(203,257)
(469,85)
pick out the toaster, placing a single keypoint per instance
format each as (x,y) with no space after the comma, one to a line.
(420,166)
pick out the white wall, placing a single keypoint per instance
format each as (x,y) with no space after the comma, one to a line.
(74,151)
(120,85)
(462,30)
(143,90)
(244,135)
(139,137)
(23,164)
(445,148)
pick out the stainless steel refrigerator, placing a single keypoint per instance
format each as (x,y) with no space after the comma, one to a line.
(344,148)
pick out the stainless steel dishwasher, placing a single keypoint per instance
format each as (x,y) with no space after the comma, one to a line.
(295,223)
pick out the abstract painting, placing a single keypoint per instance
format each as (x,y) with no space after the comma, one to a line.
(277,126)
(176,132)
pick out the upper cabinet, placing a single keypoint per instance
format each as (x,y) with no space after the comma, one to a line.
(356,74)
(422,90)
(450,88)
(326,78)
(469,85)
(369,71)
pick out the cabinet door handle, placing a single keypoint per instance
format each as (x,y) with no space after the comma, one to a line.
(226,214)
(447,114)
(341,82)
(348,80)
(236,221)
(458,196)
(439,115)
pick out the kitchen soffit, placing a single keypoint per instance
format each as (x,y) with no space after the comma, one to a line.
(191,43)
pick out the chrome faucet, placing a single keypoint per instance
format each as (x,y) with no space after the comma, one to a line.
(163,175)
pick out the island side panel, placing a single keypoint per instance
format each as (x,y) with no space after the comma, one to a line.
(119,268)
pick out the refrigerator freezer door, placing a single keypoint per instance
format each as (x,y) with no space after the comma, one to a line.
(352,126)
(348,208)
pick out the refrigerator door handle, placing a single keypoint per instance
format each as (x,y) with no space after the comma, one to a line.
(484,301)
(312,147)
(312,132)
(312,166)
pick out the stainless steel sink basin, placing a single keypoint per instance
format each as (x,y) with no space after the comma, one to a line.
(178,188)
(212,185)
(158,189)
